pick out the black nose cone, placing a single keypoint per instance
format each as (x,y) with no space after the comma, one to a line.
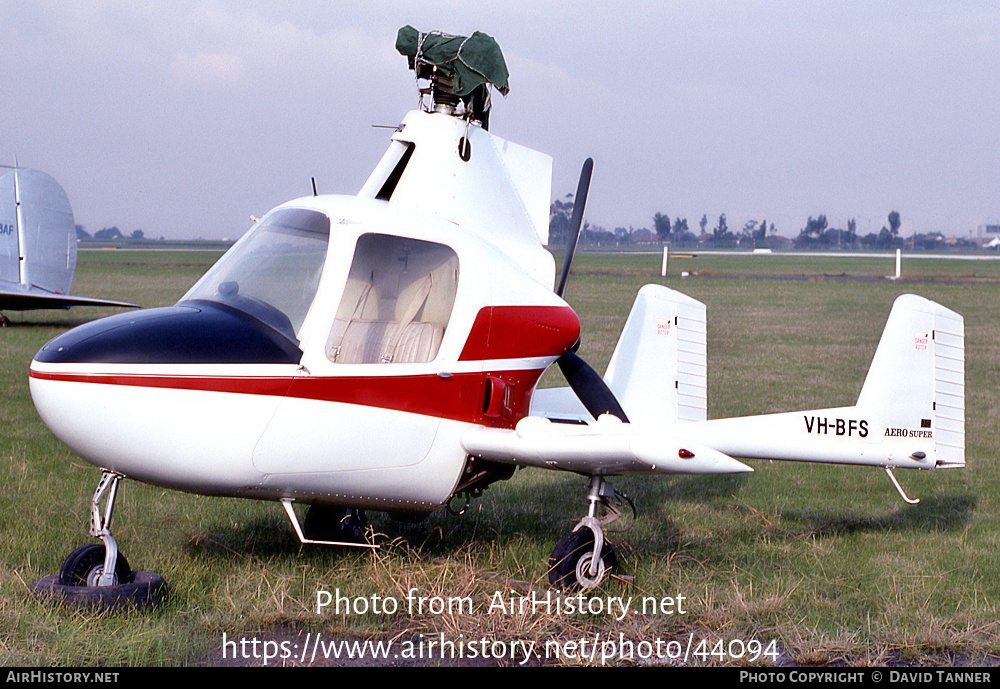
(192,332)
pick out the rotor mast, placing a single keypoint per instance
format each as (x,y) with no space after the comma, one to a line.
(459,71)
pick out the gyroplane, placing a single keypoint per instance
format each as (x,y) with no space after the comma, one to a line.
(381,352)
(37,245)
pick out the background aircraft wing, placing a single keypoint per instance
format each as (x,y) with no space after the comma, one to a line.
(14,297)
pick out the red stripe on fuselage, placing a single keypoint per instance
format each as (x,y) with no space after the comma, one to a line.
(459,397)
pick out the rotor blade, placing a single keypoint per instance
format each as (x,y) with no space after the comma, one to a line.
(590,387)
(579,202)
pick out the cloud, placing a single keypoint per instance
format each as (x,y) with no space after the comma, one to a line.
(208,70)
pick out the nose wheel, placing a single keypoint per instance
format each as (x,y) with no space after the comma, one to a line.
(86,565)
(582,560)
(97,574)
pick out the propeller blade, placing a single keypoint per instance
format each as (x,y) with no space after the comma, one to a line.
(589,387)
(579,202)
(585,382)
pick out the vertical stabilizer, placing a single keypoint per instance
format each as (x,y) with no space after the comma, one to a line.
(916,383)
(10,270)
(37,232)
(658,371)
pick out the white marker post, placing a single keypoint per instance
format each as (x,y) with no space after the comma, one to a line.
(899,256)
(663,268)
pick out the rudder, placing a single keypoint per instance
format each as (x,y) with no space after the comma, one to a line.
(916,382)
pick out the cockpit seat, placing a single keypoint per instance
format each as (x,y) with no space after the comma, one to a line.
(373,342)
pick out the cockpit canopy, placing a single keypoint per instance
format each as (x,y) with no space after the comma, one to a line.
(273,272)
(398,297)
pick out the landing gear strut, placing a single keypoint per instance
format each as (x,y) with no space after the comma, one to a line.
(582,559)
(98,574)
(109,573)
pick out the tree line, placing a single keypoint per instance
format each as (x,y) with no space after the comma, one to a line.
(107,234)
(816,234)
(675,232)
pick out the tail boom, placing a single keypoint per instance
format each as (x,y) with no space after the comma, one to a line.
(910,412)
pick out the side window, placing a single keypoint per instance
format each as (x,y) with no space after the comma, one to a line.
(396,306)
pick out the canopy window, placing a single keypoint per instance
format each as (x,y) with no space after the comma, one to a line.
(397,302)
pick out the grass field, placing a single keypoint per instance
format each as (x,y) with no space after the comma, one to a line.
(826,562)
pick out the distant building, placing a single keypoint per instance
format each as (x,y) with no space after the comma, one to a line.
(987,233)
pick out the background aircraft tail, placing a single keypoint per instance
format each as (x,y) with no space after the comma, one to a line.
(37,232)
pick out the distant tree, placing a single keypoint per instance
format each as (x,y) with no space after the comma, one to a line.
(681,235)
(137,234)
(894,222)
(721,236)
(888,237)
(703,223)
(108,233)
(641,235)
(812,234)
(82,233)
(721,228)
(661,225)
(595,234)
(560,219)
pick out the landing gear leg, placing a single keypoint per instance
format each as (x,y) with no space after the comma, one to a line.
(100,526)
(98,565)
(582,559)
(97,574)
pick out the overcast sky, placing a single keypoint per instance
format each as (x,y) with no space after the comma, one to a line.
(183,118)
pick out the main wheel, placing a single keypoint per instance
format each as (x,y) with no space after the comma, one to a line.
(329,523)
(569,564)
(85,565)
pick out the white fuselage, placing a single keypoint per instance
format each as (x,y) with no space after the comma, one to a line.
(163,397)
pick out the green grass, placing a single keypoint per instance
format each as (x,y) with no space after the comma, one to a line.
(825,560)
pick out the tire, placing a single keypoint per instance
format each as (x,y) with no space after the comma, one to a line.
(85,564)
(146,590)
(569,564)
(330,523)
